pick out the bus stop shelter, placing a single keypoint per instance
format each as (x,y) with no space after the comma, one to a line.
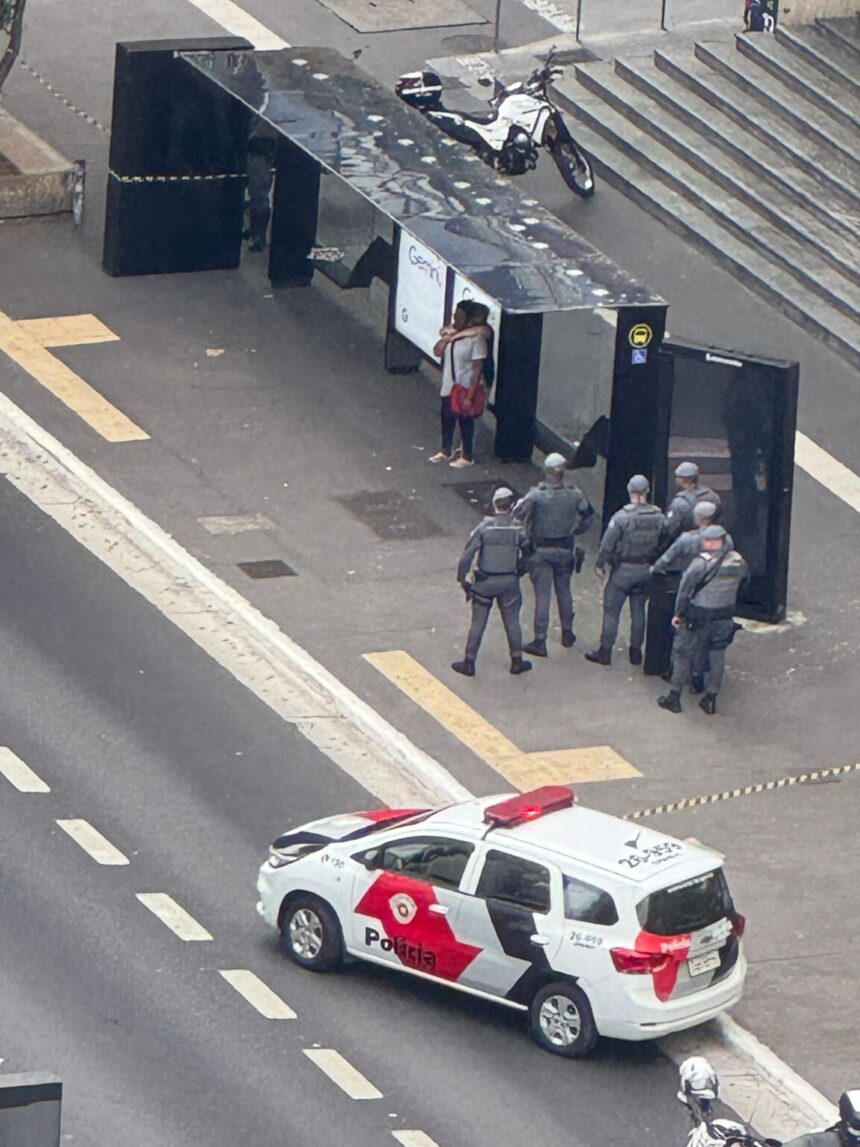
(366,190)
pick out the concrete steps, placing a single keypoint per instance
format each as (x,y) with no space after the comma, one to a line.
(844,31)
(720,180)
(812,44)
(726,146)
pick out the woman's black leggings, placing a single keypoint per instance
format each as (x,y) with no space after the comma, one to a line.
(450,420)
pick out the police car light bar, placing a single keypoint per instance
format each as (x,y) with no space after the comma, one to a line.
(528,806)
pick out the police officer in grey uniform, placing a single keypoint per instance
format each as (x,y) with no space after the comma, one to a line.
(704,618)
(673,563)
(554,512)
(680,515)
(627,550)
(496,547)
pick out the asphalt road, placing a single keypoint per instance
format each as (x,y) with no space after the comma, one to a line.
(143,736)
(138,732)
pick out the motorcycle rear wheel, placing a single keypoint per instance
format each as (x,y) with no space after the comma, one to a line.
(575,168)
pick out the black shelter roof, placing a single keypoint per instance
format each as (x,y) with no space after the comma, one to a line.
(479,222)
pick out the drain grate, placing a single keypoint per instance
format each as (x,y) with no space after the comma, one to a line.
(479,495)
(391,515)
(268,567)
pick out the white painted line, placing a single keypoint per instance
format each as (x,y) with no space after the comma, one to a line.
(414,1139)
(240,23)
(258,994)
(827,470)
(19,774)
(175,917)
(341,1072)
(219,620)
(92,842)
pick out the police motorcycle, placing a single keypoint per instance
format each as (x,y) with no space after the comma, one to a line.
(522,119)
(700,1087)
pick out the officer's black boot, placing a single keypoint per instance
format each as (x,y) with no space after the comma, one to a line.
(708,704)
(697,683)
(537,647)
(599,656)
(635,655)
(568,638)
(519,665)
(466,667)
(671,701)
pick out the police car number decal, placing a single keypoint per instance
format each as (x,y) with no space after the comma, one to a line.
(585,939)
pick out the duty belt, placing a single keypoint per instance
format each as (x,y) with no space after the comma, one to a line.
(565,543)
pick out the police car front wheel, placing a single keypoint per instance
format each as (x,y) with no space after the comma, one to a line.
(313,935)
(561,1020)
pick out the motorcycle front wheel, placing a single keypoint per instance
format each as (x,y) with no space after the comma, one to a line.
(574,166)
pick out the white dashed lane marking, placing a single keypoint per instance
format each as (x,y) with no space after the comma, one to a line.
(92,842)
(341,1072)
(19,774)
(414,1139)
(258,994)
(174,916)
(240,23)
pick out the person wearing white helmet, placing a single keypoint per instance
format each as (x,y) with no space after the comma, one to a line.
(554,513)
(680,515)
(496,549)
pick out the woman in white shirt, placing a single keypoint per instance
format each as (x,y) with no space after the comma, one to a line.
(463,348)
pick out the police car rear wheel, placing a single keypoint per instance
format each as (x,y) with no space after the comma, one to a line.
(561,1020)
(312,933)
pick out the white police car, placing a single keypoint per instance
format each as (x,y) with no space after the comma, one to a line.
(592,924)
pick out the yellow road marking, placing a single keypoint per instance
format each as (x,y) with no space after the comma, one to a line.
(27,345)
(524,770)
(414,1139)
(93,842)
(67,330)
(341,1072)
(173,915)
(258,994)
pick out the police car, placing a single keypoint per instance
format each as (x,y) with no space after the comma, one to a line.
(591,924)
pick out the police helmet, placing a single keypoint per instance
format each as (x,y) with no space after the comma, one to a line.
(503,494)
(709,533)
(699,1078)
(554,461)
(705,510)
(687,470)
(638,484)
(849,1115)
(719,1133)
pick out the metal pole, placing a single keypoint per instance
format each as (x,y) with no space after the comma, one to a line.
(663,17)
(496,27)
(578,18)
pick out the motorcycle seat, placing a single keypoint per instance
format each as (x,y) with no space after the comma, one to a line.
(480,117)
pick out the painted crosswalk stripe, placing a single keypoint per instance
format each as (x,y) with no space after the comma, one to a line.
(19,774)
(258,994)
(92,842)
(241,23)
(414,1139)
(174,916)
(341,1072)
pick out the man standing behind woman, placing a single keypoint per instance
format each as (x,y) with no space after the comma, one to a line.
(464,348)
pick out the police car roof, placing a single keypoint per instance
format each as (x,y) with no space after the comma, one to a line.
(626,849)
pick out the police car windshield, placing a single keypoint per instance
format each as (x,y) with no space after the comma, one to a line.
(373,826)
(687,906)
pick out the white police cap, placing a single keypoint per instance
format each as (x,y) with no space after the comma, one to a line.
(687,470)
(554,462)
(502,493)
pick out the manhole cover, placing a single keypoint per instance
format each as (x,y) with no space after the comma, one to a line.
(269,567)
(391,515)
(479,495)
(395,15)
